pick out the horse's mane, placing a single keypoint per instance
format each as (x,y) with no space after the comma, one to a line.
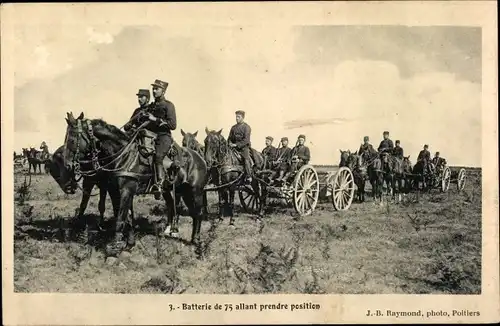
(114,130)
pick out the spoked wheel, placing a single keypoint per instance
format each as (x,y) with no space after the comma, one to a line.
(343,189)
(248,200)
(461,179)
(445,179)
(305,190)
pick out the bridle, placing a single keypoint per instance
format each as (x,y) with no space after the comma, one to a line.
(76,162)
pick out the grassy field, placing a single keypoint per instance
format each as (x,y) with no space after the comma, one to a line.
(430,243)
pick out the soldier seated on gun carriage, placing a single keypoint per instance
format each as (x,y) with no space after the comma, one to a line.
(269,153)
(438,162)
(425,157)
(299,156)
(280,161)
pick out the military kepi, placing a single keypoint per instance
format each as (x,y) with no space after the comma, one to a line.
(284,139)
(143,92)
(302,136)
(386,132)
(160,84)
(270,138)
(240,112)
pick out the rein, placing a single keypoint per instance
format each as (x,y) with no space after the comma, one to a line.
(96,165)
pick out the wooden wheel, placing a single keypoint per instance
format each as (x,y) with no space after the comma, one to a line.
(462,177)
(343,189)
(248,200)
(305,190)
(445,179)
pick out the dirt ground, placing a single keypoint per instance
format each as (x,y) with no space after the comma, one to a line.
(430,243)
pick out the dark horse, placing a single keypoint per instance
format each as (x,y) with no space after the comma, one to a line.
(395,174)
(64,178)
(373,164)
(407,174)
(227,173)
(359,172)
(34,159)
(133,173)
(421,176)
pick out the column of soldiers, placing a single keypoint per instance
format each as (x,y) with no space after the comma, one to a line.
(387,146)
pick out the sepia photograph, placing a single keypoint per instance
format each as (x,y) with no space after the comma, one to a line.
(251,157)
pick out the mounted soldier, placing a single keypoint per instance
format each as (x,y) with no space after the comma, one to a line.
(239,139)
(398,150)
(366,148)
(269,152)
(143,97)
(45,155)
(386,145)
(280,162)
(300,156)
(162,120)
(425,157)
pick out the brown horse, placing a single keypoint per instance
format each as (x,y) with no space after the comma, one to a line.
(66,181)
(392,168)
(227,173)
(133,173)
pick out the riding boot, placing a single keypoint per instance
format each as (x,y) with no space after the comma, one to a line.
(160,176)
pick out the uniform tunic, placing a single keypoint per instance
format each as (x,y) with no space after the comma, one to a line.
(366,148)
(166,121)
(240,135)
(424,155)
(269,153)
(134,121)
(303,153)
(385,145)
(283,155)
(398,152)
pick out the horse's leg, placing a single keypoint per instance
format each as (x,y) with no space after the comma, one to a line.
(87,187)
(169,202)
(205,204)
(261,192)
(194,201)
(220,193)
(103,190)
(231,205)
(128,189)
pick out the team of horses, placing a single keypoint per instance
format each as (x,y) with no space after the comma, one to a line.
(35,158)
(397,174)
(103,155)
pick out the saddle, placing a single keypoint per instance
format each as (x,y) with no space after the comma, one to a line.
(239,156)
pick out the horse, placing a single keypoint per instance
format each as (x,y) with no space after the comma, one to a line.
(227,173)
(421,176)
(359,172)
(392,168)
(189,141)
(344,155)
(34,160)
(133,172)
(68,184)
(373,164)
(407,173)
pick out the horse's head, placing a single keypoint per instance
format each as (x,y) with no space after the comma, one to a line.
(384,157)
(343,157)
(63,176)
(215,147)
(189,139)
(407,167)
(354,161)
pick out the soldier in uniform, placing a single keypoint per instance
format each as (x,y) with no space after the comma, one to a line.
(438,161)
(366,148)
(162,117)
(239,138)
(269,152)
(300,155)
(386,144)
(282,158)
(425,156)
(143,97)
(398,150)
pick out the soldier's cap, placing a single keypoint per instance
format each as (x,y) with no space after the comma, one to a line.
(437,153)
(386,132)
(144,92)
(284,138)
(366,138)
(398,142)
(270,138)
(426,146)
(240,112)
(160,84)
(302,136)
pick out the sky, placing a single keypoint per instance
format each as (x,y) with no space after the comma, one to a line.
(335,84)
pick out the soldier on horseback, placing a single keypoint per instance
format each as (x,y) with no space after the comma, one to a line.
(300,156)
(366,148)
(281,159)
(425,157)
(143,97)
(398,150)
(239,139)
(162,117)
(269,152)
(386,144)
